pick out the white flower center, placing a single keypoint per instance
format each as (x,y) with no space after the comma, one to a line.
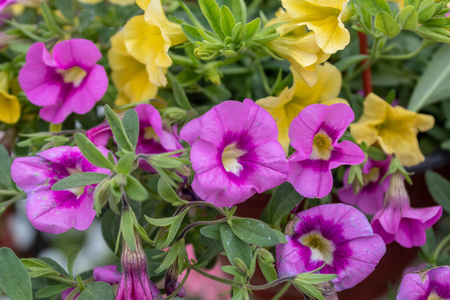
(322,146)
(373,176)
(230,156)
(321,248)
(74,75)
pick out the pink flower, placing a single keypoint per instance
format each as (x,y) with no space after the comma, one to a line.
(235,153)
(335,234)
(314,133)
(67,81)
(434,284)
(153,136)
(398,221)
(135,284)
(5,3)
(200,287)
(370,198)
(56,211)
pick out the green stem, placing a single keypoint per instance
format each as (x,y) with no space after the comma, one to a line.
(9,193)
(425,43)
(199,223)
(215,278)
(282,291)
(263,77)
(271,284)
(204,203)
(180,286)
(60,278)
(6,204)
(440,246)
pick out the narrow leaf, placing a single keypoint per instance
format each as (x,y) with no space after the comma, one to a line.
(385,23)
(130,122)
(227,21)
(179,94)
(211,11)
(91,153)
(439,188)
(374,6)
(118,130)
(77,180)
(52,290)
(254,232)
(5,167)
(167,193)
(135,190)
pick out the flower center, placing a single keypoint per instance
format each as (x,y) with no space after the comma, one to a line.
(77,190)
(322,146)
(230,156)
(434,296)
(321,248)
(373,176)
(150,134)
(74,75)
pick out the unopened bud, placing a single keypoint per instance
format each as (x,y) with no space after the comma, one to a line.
(240,265)
(266,257)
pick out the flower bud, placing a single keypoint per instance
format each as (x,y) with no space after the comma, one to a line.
(171,283)
(266,257)
(242,267)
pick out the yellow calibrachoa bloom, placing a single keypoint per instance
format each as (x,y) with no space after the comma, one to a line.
(10,107)
(291,101)
(128,74)
(143,3)
(118,2)
(393,128)
(149,37)
(324,18)
(298,46)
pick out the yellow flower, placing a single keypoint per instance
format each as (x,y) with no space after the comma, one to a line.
(118,2)
(394,128)
(324,18)
(143,3)
(291,101)
(149,38)
(128,74)
(298,46)
(10,107)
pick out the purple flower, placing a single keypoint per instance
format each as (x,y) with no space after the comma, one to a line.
(434,284)
(135,284)
(370,198)
(398,221)
(67,81)
(335,234)
(153,137)
(5,3)
(235,153)
(314,133)
(56,211)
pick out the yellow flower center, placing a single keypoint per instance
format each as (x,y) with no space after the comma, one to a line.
(373,176)
(322,146)
(150,134)
(73,75)
(321,248)
(230,156)
(433,296)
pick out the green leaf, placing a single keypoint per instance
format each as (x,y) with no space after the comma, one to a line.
(227,21)
(130,122)
(385,23)
(268,271)
(52,290)
(191,33)
(125,163)
(5,167)
(86,17)
(283,200)
(97,290)
(178,93)
(439,188)
(374,6)
(71,260)
(315,278)
(309,290)
(254,232)
(211,11)
(135,190)
(14,279)
(211,252)
(234,247)
(77,180)
(433,85)
(252,29)
(171,256)
(162,222)
(426,10)
(174,227)
(127,228)
(50,19)
(91,152)
(376,153)
(167,193)
(211,231)
(408,17)
(118,130)
(345,63)
(67,8)
(239,10)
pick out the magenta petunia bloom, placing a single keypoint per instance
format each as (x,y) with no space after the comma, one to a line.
(434,284)
(56,211)
(314,133)
(235,153)
(370,197)
(335,234)
(154,136)
(399,221)
(67,81)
